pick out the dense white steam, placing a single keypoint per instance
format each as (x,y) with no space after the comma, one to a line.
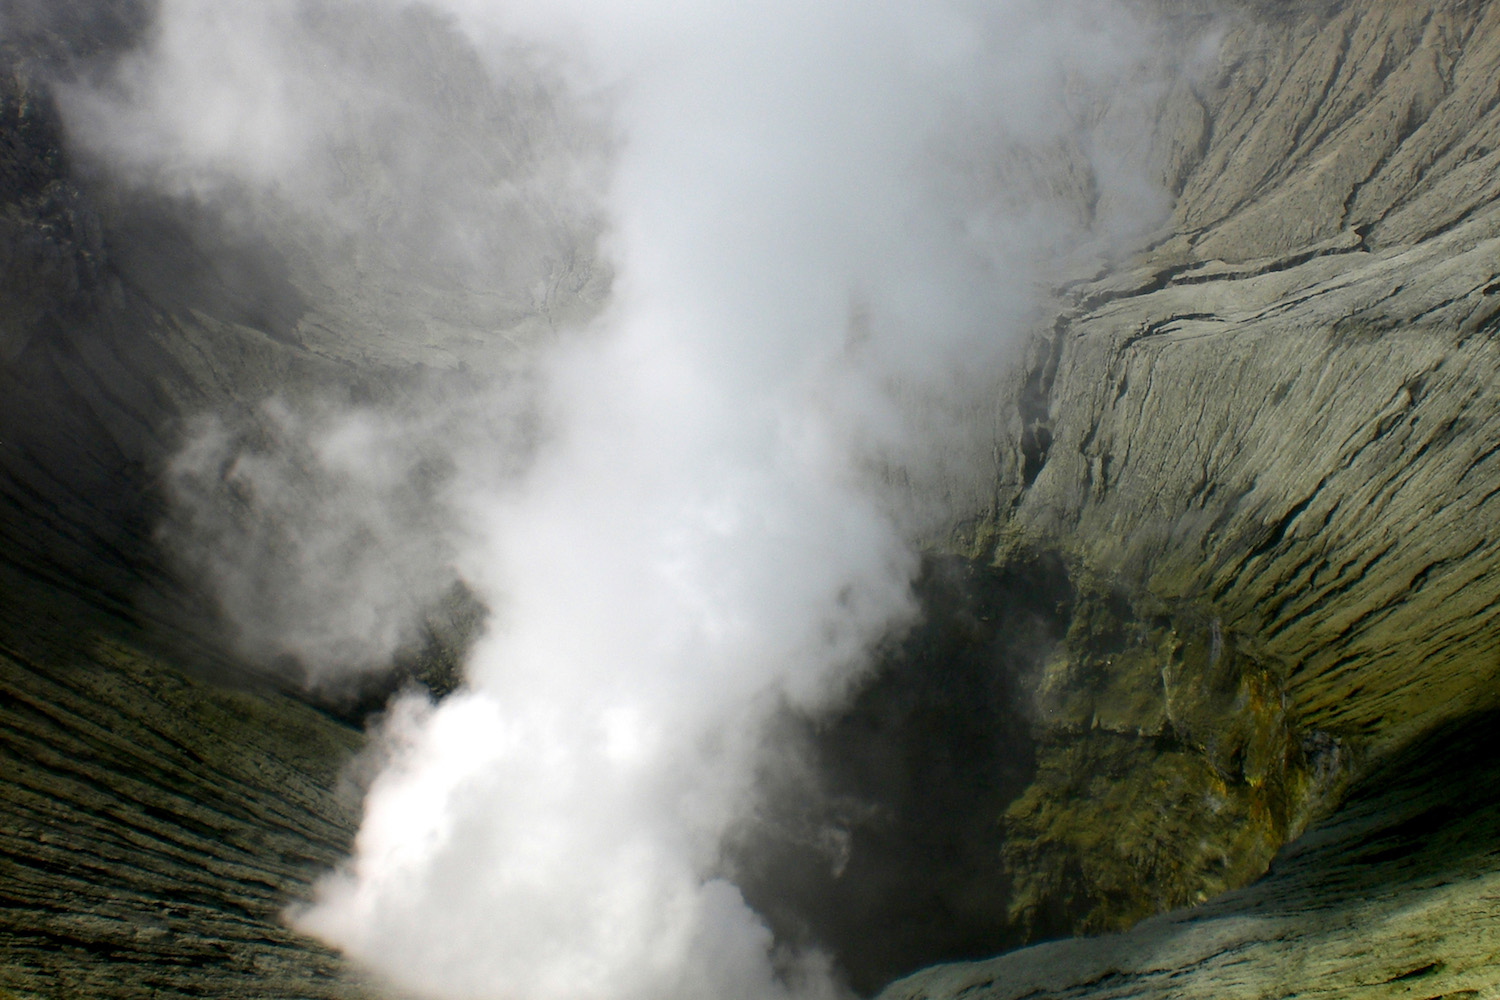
(329,532)
(817,260)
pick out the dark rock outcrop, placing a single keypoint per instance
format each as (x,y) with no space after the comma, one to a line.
(156,821)
(1392,897)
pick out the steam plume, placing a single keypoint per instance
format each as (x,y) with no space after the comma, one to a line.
(816,259)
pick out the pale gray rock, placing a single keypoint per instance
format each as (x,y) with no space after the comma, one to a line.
(1283,412)
(1281,415)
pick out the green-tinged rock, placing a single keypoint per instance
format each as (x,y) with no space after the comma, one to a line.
(1033,760)
(157,823)
(1393,896)
(1168,770)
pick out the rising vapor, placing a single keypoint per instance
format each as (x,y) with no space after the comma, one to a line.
(818,261)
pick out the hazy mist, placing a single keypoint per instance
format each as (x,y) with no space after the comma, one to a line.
(823,228)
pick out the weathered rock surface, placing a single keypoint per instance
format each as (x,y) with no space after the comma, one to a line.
(1033,760)
(1283,413)
(1280,419)
(156,823)
(1394,896)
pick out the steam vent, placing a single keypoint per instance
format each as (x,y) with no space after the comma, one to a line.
(656,501)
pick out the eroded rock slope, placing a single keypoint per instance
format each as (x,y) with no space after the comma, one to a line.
(1280,420)
(156,823)
(1284,412)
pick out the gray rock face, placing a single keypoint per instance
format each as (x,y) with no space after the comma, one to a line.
(156,823)
(1283,410)
(1280,416)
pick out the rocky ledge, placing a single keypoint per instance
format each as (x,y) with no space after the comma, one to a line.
(1394,896)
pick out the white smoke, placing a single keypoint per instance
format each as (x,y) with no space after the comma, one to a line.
(817,258)
(329,532)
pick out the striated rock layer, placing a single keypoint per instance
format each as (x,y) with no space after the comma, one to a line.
(1279,420)
(1283,412)
(156,823)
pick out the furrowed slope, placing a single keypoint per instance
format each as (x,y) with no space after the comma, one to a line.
(1280,419)
(1284,412)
